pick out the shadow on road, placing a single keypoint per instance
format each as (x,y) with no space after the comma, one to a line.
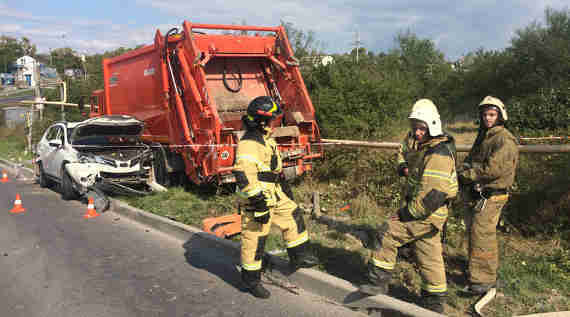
(205,254)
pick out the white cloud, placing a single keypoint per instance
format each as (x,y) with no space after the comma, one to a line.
(455,27)
(10,28)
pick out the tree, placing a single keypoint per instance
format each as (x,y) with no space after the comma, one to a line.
(422,63)
(10,50)
(302,42)
(27,47)
(542,53)
(64,58)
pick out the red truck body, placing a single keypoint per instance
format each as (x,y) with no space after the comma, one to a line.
(191,89)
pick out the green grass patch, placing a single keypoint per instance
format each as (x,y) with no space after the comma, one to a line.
(16,93)
(183,206)
(13,144)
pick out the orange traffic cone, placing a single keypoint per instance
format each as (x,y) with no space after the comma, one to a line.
(5,178)
(91,212)
(17,205)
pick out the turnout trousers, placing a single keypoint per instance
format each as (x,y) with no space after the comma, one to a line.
(482,245)
(425,235)
(286,216)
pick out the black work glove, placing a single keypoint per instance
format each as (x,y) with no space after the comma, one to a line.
(402,169)
(463,180)
(404,215)
(285,187)
(259,207)
(262,218)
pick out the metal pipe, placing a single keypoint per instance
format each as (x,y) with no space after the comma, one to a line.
(538,148)
(234,27)
(30,102)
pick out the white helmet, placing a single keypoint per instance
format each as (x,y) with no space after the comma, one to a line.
(424,110)
(491,101)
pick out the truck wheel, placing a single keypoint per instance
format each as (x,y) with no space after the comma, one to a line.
(67,191)
(159,166)
(42,178)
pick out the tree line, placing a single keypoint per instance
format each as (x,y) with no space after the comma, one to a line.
(531,75)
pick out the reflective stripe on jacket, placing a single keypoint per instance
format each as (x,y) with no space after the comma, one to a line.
(254,155)
(436,180)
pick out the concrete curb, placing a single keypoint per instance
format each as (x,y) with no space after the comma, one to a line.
(312,280)
(18,170)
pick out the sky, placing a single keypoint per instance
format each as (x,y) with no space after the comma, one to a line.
(95,26)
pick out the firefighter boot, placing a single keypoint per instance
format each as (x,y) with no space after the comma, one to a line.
(252,282)
(434,301)
(299,257)
(476,289)
(378,280)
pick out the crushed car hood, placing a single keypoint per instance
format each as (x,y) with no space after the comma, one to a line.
(108,125)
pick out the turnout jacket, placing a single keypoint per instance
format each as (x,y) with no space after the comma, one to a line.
(433,179)
(407,153)
(492,160)
(257,154)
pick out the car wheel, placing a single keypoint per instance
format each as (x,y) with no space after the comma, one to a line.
(42,178)
(67,190)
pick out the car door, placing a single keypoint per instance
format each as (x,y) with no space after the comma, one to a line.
(60,154)
(44,149)
(50,166)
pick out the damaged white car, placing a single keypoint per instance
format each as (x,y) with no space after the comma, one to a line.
(96,156)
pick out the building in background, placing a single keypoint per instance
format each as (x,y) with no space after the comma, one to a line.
(25,70)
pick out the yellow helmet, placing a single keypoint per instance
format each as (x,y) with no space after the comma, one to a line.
(425,110)
(491,101)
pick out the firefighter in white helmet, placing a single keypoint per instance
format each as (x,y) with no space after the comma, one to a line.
(258,170)
(485,177)
(433,183)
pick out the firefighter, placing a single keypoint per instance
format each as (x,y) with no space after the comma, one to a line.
(432,184)
(258,175)
(486,174)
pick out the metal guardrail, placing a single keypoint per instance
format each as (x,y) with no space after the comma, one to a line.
(538,148)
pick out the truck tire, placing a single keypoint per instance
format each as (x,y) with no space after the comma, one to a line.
(159,165)
(42,177)
(66,188)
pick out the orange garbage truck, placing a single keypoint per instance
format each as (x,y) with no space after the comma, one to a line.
(192,86)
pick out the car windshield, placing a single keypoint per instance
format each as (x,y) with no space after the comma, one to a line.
(107,135)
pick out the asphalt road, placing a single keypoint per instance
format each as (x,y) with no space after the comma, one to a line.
(53,262)
(15,101)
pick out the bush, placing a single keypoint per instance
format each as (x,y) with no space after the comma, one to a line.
(544,113)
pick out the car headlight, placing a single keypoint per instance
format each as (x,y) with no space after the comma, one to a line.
(89,158)
(101,160)
(86,158)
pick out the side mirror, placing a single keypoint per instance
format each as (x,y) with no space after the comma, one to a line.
(55,143)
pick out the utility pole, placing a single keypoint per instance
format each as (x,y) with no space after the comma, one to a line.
(357,44)
(37,91)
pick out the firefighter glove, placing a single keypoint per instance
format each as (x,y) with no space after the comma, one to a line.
(404,215)
(261,217)
(259,207)
(403,169)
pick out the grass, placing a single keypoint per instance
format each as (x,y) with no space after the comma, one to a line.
(16,93)
(534,243)
(13,144)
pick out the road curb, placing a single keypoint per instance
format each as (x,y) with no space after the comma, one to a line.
(309,279)
(18,170)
